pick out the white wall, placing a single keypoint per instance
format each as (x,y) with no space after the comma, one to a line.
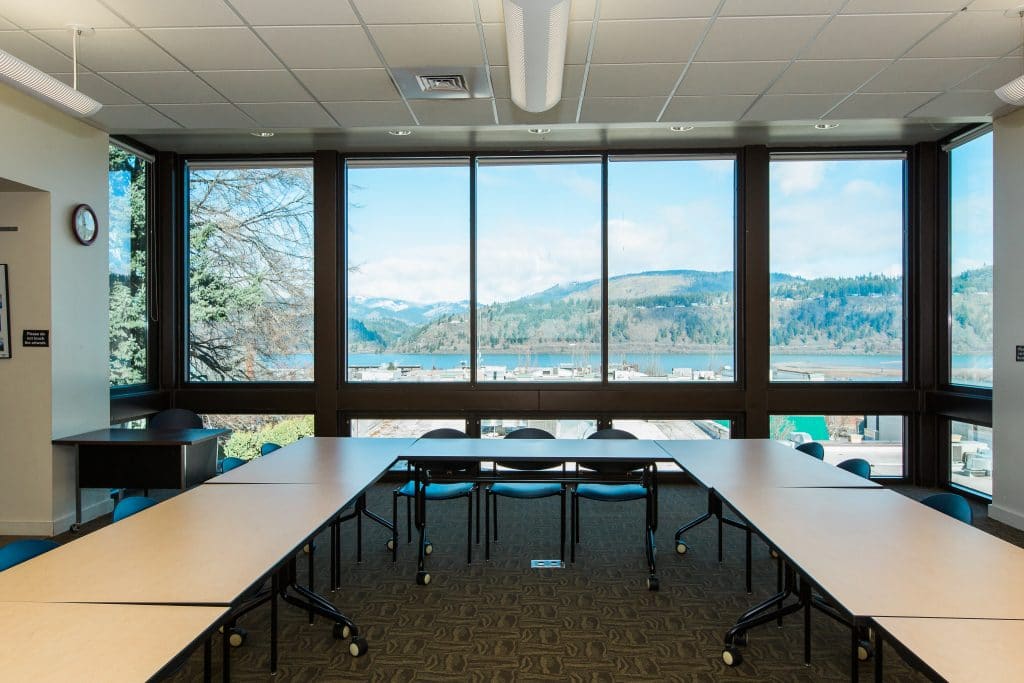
(1008,395)
(59,285)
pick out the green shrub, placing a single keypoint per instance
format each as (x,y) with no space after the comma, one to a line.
(246,444)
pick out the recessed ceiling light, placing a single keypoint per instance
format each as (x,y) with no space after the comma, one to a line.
(400,132)
(680,129)
(262,133)
(540,131)
(826,126)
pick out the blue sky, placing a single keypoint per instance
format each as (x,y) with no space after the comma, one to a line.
(120,223)
(971,205)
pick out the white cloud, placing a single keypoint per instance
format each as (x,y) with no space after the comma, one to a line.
(798,176)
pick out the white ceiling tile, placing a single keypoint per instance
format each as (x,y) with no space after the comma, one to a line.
(289,115)
(58,14)
(340,85)
(923,75)
(6,25)
(207,115)
(98,89)
(321,47)
(405,12)
(121,118)
(563,112)
(165,87)
(826,76)
(1001,5)
(632,80)
(257,86)
(734,8)
(729,78)
(580,10)
(738,39)
(960,103)
(870,36)
(621,109)
(668,40)
(572,81)
(575,49)
(429,44)
(704,108)
(453,112)
(369,114)
(995,76)
(903,6)
(32,50)
(116,49)
(215,48)
(147,13)
(305,13)
(792,107)
(880,105)
(971,34)
(658,9)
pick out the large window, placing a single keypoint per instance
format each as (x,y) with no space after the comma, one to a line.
(875,438)
(671,255)
(539,269)
(408,270)
(561,428)
(970,267)
(250,274)
(971,456)
(837,255)
(129,263)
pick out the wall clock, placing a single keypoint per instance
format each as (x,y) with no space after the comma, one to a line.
(84,224)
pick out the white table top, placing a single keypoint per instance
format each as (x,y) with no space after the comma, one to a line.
(638,450)
(319,460)
(879,553)
(84,642)
(204,546)
(963,649)
(757,462)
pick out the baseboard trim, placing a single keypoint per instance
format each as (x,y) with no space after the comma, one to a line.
(48,528)
(1006,516)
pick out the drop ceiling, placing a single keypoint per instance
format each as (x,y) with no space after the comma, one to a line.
(201,75)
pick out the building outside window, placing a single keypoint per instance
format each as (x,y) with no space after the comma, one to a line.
(875,438)
(971,456)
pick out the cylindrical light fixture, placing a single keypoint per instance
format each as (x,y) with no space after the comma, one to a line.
(536,33)
(43,86)
(1012,92)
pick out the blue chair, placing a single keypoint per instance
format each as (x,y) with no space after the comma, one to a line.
(952,504)
(813,449)
(127,507)
(438,491)
(522,490)
(17,552)
(269,447)
(175,418)
(647,490)
(230,463)
(858,466)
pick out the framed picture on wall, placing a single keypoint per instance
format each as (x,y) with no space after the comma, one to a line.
(5,314)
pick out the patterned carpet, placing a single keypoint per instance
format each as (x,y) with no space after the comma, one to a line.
(502,621)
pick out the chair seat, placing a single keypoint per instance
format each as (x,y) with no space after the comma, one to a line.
(438,491)
(611,491)
(526,490)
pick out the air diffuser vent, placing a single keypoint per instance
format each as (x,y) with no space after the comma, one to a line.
(443,83)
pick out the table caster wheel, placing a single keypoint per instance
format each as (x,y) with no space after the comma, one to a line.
(75,528)
(236,636)
(422,578)
(428,548)
(390,545)
(358,647)
(865,651)
(341,631)
(681,548)
(652,583)
(731,656)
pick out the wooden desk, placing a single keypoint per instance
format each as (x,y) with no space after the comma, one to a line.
(561,450)
(757,463)
(320,460)
(142,459)
(74,642)
(961,649)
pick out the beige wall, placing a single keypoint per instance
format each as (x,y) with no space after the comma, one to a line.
(59,285)
(1008,394)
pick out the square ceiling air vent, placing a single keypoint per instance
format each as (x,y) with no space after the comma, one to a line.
(441,82)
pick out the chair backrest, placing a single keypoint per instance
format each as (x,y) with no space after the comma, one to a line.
(269,447)
(127,507)
(813,449)
(17,552)
(610,466)
(176,418)
(612,434)
(529,465)
(230,463)
(859,466)
(952,504)
(445,433)
(455,465)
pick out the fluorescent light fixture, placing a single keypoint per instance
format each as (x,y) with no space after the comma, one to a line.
(536,33)
(32,81)
(1013,92)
